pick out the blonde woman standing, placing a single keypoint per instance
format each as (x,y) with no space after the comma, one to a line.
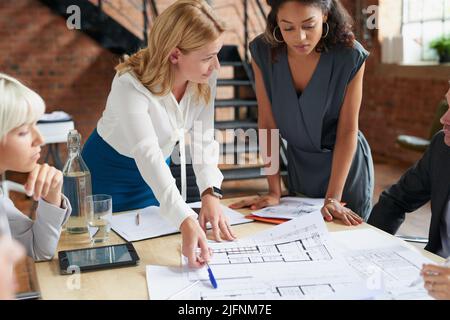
(158,95)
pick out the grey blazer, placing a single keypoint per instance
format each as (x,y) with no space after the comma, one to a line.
(428,179)
(40,237)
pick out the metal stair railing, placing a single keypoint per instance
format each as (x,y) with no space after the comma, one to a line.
(145,6)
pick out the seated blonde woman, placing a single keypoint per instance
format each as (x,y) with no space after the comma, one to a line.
(20,146)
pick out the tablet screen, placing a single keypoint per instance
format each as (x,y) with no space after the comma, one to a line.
(99,256)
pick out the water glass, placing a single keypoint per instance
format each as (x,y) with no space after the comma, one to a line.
(99,217)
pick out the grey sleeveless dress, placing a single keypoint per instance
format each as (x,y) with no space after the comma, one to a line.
(309,122)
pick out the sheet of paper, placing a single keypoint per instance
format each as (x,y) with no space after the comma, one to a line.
(309,224)
(364,239)
(170,283)
(291,208)
(306,264)
(386,263)
(305,239)
(152,224)
(310,263)
(174,281)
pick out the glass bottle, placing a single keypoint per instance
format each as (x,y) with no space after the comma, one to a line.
(77,185)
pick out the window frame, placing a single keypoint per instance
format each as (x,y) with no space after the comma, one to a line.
(443,20)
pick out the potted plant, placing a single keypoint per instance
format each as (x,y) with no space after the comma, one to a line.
(442,47)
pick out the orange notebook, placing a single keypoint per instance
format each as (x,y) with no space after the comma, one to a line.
(267,220)
(274,220)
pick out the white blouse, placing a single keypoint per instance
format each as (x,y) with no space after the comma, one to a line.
(146,127)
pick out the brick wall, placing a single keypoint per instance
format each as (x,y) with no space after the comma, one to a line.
(397,99)
(69,69)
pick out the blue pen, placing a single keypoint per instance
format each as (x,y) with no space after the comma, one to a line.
(211,277)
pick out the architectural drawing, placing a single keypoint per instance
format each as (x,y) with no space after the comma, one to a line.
(307,249)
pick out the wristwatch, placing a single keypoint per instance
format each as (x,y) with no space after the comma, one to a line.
(216,192)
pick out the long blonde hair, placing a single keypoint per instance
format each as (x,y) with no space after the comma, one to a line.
(187,25)
(19,105)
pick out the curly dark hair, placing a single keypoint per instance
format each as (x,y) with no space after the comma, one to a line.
(339,20)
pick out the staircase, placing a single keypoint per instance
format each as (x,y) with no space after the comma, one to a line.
(100,20)
(244,115)
(100,26)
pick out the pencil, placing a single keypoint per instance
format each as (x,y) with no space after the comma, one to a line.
(138,222)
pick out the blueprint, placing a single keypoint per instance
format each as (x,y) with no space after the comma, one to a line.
(300,259)
(164,283)
(290,208)
(294,260)
(386,263)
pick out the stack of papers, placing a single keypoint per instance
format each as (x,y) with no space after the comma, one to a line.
(307,267)
(290,208)
(152,224)
(310,263)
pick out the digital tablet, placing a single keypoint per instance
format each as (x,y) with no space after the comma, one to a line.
(98,258)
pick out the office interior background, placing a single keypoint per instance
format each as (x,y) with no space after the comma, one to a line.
(72,68)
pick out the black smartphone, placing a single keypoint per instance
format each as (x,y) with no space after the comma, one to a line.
(98,258)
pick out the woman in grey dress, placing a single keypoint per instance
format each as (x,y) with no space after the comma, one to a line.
(309,74)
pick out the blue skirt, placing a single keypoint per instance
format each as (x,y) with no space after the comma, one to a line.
(116,175)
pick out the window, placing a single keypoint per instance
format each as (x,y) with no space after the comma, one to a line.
(424,21)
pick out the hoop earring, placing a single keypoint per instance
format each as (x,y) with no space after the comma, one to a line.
(328,30)
(274,35)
